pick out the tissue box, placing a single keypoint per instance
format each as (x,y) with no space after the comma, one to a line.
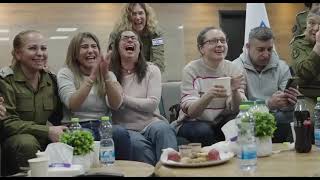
(74,170)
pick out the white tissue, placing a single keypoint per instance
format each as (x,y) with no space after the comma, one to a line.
(59,153)
(222,147)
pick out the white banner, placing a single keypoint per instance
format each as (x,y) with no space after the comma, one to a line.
(256,15)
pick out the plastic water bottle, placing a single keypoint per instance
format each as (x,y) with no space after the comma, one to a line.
(107,154)
(75,125)
(316,118)
(246,140)
(260,106)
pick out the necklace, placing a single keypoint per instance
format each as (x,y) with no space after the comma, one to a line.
(128,71)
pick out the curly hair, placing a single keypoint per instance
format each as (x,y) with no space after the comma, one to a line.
(141,65)
(124,23)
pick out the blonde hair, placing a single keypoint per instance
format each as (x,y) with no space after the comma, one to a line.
(18,43)
(124,23)
(73,64)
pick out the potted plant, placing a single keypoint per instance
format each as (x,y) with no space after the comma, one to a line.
(265,125)
(82,143)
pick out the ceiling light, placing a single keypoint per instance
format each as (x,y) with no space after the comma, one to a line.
(4,30)
(180,27)
(66,29)
(4,38)
(59,37)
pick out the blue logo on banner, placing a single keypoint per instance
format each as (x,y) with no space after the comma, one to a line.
(262,24)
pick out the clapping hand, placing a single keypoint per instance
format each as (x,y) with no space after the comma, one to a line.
(104,65)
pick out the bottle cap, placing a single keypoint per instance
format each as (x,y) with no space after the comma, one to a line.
(74,119)
(318,99)
(260,101)
(105,118)
(244,107)
(250,103)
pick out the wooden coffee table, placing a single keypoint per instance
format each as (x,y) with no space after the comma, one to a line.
(127,169)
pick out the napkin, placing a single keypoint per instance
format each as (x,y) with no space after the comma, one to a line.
(59,153)
(165,152)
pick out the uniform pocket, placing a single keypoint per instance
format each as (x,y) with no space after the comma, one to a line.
(48,104)
(24,102)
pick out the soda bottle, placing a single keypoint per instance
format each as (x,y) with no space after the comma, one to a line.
(107,154)
(302,126)
(246,140)
(75,125)
(316,119)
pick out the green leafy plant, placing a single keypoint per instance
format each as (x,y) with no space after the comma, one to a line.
(265,124)
(81,141)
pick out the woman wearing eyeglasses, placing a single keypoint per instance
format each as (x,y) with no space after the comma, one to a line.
(139,113)
(206,107)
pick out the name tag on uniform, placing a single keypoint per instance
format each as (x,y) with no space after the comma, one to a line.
(157,41)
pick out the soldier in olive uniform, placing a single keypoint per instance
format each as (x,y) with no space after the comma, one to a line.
(301,19)
(305,53)
(140,18)
(31,100)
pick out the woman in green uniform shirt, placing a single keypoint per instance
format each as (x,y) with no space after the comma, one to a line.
(31,99)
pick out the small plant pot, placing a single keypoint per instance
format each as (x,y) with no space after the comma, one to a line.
(84,160)
(264,146)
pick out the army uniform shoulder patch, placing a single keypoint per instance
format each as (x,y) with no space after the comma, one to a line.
(5,71)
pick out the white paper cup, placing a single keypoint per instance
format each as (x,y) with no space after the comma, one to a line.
(293,131)
(95,155)
(185,151)
(39,167)
(225,82)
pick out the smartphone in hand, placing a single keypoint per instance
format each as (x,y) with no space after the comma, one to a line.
(292,82)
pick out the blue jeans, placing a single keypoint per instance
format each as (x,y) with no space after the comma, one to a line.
(120,136)
(199,132)
(147,145)
(283,132)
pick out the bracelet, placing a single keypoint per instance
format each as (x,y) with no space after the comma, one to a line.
(89,82)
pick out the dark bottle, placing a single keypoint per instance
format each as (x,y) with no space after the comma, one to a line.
(302,126)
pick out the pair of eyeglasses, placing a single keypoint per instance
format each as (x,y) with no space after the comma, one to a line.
(215,41)
(126,38)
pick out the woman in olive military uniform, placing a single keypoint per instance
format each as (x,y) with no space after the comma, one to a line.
(140,18)
(30,97)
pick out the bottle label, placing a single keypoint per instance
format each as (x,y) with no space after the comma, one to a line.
(248,154)
(107,155)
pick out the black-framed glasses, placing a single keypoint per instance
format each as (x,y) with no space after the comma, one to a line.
(126,38)
(215,41)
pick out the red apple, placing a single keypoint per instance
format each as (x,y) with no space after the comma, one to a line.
(174,156)
(213,155)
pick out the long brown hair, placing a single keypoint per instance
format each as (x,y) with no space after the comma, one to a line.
(73,64)
(141,65)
